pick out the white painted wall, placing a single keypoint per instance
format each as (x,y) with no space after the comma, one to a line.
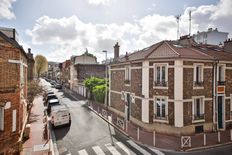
(145,92)
(178,94)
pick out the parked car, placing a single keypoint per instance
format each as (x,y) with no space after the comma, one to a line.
(58,86)
(47,93)
(49,97)
(51,103)
(60,116)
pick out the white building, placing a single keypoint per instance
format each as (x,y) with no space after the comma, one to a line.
(212,37)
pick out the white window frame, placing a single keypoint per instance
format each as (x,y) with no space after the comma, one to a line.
(2,109)
(193,108)
(155,74)
(230,106)
(195,73)
(223,71)
(14,120)
(127,74)
(165,120)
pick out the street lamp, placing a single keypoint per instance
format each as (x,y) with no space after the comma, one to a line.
(106,80)
(106,105)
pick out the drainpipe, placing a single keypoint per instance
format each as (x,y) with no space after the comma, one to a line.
(215,96)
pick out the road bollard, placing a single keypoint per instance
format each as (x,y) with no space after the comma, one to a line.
(154,138)
(138,133)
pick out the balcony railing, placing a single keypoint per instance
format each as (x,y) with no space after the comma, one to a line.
(160,83)
(199,117)
(160,117)
(198,83)
(221,83)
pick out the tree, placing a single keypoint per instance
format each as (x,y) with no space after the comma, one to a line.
(92,82)
(41,64)
(99,93)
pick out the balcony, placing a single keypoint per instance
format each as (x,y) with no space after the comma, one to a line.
(198,117)
(198,83)
(221,83)
(160,83)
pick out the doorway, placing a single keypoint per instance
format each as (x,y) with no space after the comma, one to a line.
(220,112)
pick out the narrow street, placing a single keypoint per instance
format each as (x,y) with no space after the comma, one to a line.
(88,133)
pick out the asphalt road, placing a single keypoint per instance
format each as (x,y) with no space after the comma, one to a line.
(89,134)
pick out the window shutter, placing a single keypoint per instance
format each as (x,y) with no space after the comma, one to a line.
(1,118)
(14,120)
(122,96)
(132,98)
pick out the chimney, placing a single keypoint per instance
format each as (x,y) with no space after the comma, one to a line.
(116,51)
(29,50)
(228,45)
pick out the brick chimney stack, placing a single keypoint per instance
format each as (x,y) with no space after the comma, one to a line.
(228,45)
(116,51)
(29,50)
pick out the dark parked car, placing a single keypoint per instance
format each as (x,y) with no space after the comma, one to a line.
(58,86)
(51,103)
(49,97)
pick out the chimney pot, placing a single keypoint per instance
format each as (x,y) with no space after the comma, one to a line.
(29,50)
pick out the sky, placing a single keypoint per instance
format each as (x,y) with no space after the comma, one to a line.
(58,29)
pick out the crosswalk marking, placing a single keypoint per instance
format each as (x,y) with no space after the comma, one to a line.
(98,150)
(123,147)
(138,147)
(112,149)
(157,151)
(82,152)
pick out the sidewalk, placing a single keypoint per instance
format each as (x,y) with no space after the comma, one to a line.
(38,143)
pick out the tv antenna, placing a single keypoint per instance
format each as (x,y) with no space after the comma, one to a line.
(178,25)
(190,19)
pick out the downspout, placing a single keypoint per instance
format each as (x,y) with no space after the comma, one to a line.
(215,96)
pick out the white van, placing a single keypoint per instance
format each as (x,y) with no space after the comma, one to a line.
(60,115)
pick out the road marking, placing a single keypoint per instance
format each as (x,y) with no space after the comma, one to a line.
(98,150)
(138,147)
(123,147)
(82,152)
(112,149)
(157,151)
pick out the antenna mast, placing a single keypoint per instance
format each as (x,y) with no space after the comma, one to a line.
(178,25)
(190,18)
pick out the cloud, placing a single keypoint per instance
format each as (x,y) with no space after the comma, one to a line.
(69,36)
(6,9)
(99,2)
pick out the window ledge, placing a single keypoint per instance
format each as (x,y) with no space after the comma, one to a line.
(160,121)
(160,87)
(198,121)
(198,87)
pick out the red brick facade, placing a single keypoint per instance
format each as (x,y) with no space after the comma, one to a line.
(13,92)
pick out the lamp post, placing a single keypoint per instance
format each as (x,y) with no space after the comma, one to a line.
(106,105)
(106,80)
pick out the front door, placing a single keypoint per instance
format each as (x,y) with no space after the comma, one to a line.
(220,112)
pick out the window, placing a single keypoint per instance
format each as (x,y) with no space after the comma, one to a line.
(21,74)
(198,75)
(14,120)
(231,106)
(160,108)
(198,109)
(127,75)
(1,118)
(161,78)
(221,75)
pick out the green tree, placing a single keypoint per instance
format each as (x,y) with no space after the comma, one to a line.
(91,82)
(41,64)
(99,93)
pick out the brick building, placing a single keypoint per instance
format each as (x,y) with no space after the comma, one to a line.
(65,74)
(13,92)
(173,87)
(85,71)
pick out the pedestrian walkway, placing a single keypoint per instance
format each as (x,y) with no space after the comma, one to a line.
(38,142)
(119,148)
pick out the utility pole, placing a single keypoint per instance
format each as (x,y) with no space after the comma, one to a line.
(178,25)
